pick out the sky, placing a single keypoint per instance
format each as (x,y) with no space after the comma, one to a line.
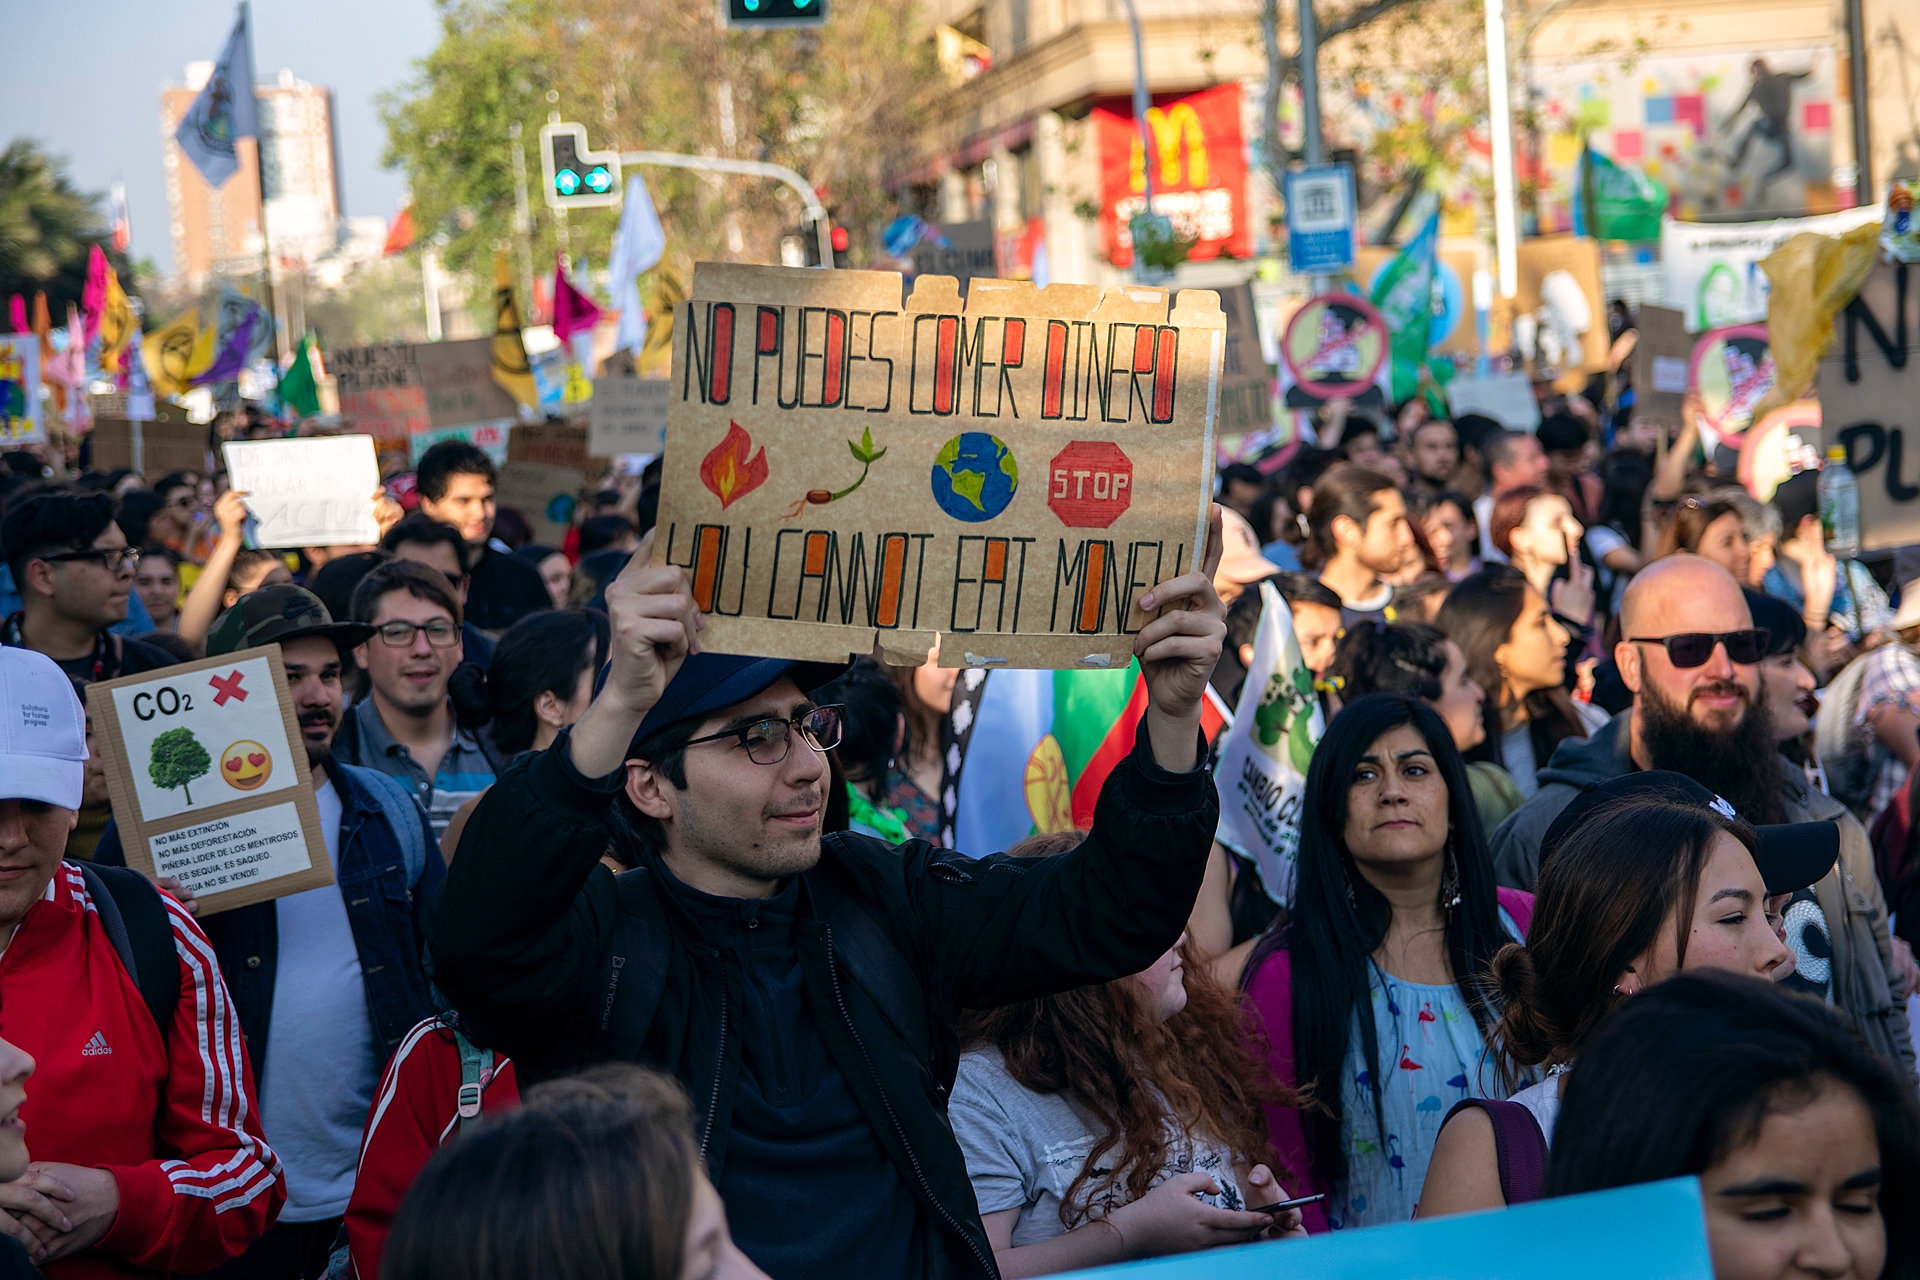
(86,79)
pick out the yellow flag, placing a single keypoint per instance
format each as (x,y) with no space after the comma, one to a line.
(1812,277)
(117,325)
(510,367)
(177,353)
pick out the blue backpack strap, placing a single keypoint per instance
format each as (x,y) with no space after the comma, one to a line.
(476,1073)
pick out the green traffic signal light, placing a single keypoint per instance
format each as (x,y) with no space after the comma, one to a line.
(577,177)
(762,14)
(598,179)
(566,182)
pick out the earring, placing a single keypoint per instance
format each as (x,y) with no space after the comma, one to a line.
(1450,883)
(1351,901)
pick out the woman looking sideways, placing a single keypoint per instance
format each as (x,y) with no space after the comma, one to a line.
(1641,879)
(1369,997)
(1517,652)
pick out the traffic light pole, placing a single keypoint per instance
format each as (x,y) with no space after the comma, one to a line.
(816,212)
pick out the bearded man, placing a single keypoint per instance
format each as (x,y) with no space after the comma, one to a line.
(1691,656)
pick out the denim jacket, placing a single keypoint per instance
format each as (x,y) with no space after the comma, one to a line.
(386,873)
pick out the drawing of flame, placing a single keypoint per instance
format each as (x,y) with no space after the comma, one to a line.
(729,472)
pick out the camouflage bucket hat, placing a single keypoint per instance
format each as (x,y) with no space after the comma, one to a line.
(276,614)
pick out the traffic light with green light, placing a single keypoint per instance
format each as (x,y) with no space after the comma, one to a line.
(576,177)
(753,15)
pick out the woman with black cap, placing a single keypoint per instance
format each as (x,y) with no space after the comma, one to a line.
(1643,877)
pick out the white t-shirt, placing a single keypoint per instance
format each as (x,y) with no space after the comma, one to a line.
(322,1063)
(1543,1100)
(1024,1149)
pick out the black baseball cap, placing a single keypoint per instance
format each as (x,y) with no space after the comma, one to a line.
(710,682)
(279,613)
(1792,855)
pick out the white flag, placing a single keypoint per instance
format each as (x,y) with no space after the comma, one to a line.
(1262,774)
(139,390)
(637,246)
(223,112)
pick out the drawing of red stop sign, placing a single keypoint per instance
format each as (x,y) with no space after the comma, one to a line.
(1090,484)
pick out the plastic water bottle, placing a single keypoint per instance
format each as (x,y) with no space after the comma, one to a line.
(1840,504)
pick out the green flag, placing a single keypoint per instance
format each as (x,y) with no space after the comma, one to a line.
(298,388)
(1403,291)
(1622,202)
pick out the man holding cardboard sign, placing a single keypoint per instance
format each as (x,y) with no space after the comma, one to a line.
(749,937)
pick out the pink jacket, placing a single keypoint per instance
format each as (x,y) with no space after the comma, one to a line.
(1269,997)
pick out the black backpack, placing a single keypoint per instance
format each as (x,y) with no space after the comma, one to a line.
(136,922)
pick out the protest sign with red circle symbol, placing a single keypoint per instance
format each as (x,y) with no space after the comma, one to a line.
(1731,370)
(1336,344)
(1089,484)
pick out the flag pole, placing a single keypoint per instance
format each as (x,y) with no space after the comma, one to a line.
(260,186)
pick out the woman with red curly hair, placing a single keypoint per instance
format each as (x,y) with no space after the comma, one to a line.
(1117,1121)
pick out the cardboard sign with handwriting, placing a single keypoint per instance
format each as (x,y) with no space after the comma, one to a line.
(846,464)
(1870,402)
(1661,355)
(209,778)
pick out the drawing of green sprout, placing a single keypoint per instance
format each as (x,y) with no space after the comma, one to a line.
(865,454)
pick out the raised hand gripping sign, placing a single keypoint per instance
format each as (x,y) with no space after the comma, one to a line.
(209,778)
(845,465)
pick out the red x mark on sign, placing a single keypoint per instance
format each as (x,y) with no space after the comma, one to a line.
(229,687)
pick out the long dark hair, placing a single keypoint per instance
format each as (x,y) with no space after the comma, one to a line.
(1478,615)
(1339,919)
(1403,657)
(1142,1080)
(1687,1072)
(1601,900)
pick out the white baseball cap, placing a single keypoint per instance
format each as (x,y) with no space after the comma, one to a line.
(43,731)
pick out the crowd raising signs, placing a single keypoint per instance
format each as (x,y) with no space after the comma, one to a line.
(1014,473)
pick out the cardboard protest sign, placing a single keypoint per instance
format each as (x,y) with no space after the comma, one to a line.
(541,492)
(1453,331)
(209,778)
(1662,354)
(164,445)
(629,416)
(555,444)
(1015,473)
(1873,408)
(313,492)
(1559,288)
(21,420)
(457,379)
(381,394)
(1568,1238)
(1507,398)
(488,437)
(1246,384)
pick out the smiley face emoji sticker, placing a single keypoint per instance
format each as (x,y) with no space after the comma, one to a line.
(246,766)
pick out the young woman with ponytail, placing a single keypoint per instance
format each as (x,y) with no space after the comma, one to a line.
(1632,891)
(1371,997)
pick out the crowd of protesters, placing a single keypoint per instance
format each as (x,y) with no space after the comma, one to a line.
(646,961)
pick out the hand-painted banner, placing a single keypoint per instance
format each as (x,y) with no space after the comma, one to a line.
(1655,1231)
(1014,473)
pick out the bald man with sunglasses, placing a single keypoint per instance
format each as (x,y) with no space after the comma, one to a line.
(1691,656)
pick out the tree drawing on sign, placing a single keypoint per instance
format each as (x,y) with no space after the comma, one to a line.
(178,758)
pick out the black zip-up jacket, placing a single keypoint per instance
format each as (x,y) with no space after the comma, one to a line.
(552,959)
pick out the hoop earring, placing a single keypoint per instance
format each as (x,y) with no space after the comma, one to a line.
(1450,883)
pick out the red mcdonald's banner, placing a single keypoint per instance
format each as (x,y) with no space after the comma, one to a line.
(1199,174)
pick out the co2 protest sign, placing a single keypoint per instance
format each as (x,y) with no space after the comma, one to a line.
(209,778)
(847,466)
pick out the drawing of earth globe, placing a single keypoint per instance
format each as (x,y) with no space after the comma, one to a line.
(974,476)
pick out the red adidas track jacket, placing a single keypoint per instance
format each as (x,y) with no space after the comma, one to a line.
(174,1121)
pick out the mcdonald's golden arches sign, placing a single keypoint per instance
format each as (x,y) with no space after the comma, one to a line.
(1199,172)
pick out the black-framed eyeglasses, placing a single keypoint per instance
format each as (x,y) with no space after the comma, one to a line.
(441,634)
(112,559)
(768,741)
(1694,648)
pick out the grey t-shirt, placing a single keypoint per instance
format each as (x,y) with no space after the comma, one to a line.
(1024,1149)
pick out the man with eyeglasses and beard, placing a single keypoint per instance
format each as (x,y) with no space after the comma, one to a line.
(1691,656)
(74,571)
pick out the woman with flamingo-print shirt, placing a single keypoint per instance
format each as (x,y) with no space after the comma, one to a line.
(1368,996)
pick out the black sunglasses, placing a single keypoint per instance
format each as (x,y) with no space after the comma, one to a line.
(1694,648)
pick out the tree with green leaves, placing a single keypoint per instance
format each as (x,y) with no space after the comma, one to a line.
(838,105)
(177,759)
(46,228)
